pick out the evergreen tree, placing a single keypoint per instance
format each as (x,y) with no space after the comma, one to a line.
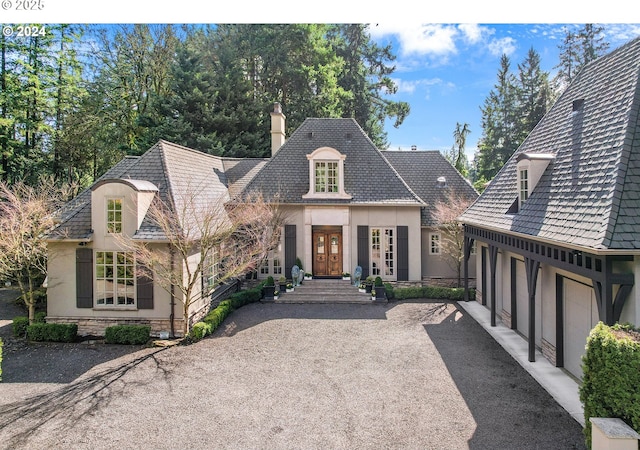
(366,77)
(535,94)
(500,120)
(576,50)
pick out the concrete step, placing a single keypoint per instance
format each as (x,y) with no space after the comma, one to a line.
(326,291)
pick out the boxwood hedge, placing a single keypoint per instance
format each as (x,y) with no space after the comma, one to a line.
(127,334)
(54,332)
(611,376)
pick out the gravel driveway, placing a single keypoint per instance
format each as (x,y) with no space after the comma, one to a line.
(410,375)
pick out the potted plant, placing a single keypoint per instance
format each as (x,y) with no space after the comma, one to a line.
(368,283)
(362,288)
(379,287)
(276,295)
(373,294)
(346,276)
(282,282)
(289,287)
(269,288)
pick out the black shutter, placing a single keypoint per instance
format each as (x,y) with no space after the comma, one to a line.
(290,251)
(403,253)
(363,250)
(84,278)
(144,291)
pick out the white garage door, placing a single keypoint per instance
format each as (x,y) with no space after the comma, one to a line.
(580,316)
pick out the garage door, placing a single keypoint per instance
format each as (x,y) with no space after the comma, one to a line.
(580,316)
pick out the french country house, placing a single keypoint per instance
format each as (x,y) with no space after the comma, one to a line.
(558,229)
(346,204)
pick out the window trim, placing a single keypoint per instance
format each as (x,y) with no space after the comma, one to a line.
(116,280)
(326,155)
(438,238)
(114,222)
(386,272)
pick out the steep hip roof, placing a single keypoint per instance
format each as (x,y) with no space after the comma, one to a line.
(180,174)
(422,170)
(368,176)
(589,195)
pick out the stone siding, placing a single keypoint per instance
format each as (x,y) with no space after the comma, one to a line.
(549,352)
(97,326)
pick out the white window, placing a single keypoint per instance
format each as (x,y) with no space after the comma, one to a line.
(264,267)
(115,279)
(114,215)
(523,184)
(383,252)
(277,267)
(326,178)
(326,174)
(434,243)
(210,272)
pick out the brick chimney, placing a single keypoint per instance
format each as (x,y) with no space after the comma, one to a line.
(277,128)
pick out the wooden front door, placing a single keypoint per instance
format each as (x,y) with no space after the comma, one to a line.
(327,252)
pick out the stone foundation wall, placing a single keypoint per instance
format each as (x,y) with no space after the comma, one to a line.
(549,352)
(97,326)
(479,297)
(506,318)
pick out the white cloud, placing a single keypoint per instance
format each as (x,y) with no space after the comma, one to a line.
(503,46)
(419,39)
(473,33)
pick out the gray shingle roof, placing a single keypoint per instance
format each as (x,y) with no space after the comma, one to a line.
(421,170)
(368,176)
(589,196)
(177,172)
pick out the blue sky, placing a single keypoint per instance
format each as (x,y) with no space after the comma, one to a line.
(445,72)
(448,54)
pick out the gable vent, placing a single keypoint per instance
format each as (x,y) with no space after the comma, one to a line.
(577,104)
(310,135)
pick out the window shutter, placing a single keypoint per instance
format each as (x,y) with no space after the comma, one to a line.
(144,292)
(403,253)
(363,250)
(290,251)
(84,278)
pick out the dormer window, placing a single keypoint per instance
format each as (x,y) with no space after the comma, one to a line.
(326,179)
(529,170)
(114,215)
(523,183)
(326,174)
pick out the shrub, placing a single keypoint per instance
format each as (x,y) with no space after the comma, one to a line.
(378,281)
(20,325)
(299,263)
(389,291)
(433,292)
(270,281)
(217,315)
(40,317)
(127,334)
(611,367)
(53,332)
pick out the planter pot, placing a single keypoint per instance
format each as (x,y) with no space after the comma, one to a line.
(368,288)
(362,291)
(308,277)
(380,292)
(283,287)
(276,297)
(373,298)
(289,290)
(267,291)
(346,278)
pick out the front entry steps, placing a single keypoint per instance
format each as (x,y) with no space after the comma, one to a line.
(326,291)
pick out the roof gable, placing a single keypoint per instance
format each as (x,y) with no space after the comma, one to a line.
(589,195)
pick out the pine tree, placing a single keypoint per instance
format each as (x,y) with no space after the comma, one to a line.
(499,123)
